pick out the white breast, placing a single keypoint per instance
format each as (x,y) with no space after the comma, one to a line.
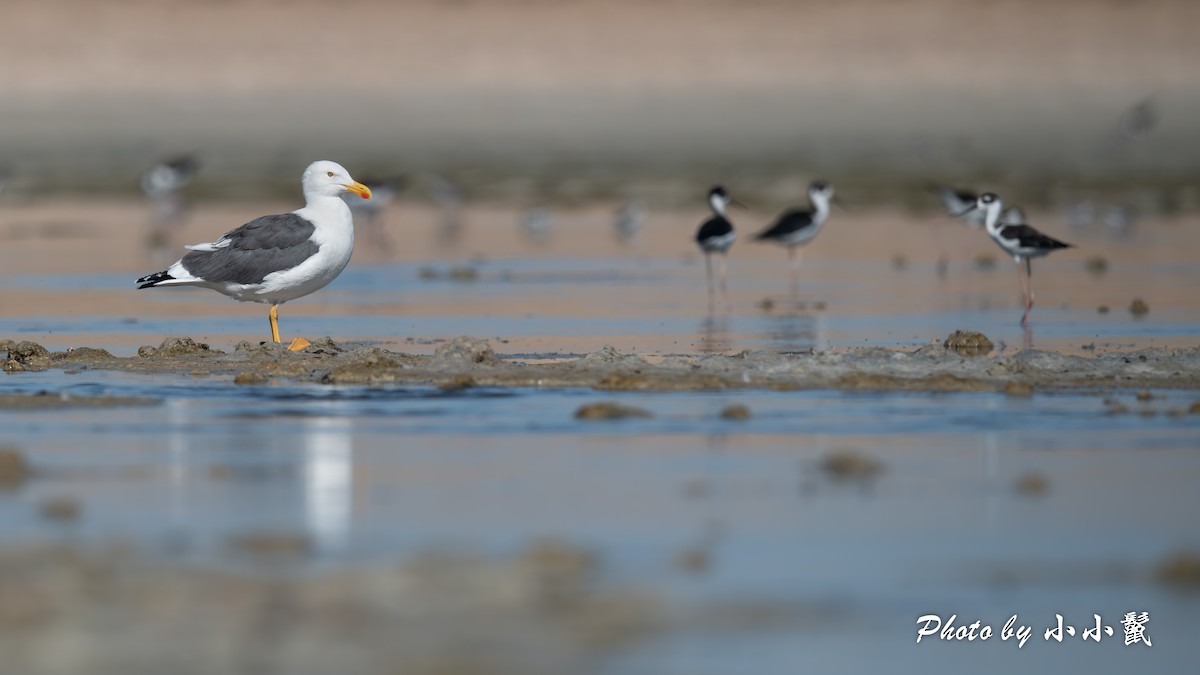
(334,236)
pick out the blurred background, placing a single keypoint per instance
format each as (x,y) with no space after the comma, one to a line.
(578,99)
(540,169)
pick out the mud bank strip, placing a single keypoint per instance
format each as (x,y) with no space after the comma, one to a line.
(468,362)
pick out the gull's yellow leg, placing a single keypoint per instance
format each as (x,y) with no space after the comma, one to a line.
(275,323)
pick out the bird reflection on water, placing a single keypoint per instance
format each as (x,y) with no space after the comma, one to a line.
(793,332)
(714,334)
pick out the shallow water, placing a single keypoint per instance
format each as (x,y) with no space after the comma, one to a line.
(654,306)
(387,473)
(787,566)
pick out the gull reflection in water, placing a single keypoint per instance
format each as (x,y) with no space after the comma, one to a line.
(328,480)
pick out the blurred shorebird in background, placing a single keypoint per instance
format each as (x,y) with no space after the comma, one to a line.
(631,217)
(368,213)
(1138,121)
(1131,130)
(537,222)
(163,184)
(716,235)
(1020,241)
(449,199)
(960,204)
(797,227)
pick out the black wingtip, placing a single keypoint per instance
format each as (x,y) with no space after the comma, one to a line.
(152,280)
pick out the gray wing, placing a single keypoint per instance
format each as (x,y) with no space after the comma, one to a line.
(254,250)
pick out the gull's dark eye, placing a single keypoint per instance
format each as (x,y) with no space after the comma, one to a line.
(329,173)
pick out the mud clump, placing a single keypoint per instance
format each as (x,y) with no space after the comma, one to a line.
(460,382)
(1181,570)
(610,411)
(661,381)
(736,412)
(968,343)
(14,470)
(249,378)
(272,544)
(1032,485)
(1018,389)
(851,466)
(606,354)
(84,354)
(25,355)
(324,345)
(368,364)
(1139,307)
(175,346)
(466,350)
(456,273)
(463,273)
(27,351)
(694,561)
(61,509)
(1096,265)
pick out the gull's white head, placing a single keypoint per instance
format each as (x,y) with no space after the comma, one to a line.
(330,179)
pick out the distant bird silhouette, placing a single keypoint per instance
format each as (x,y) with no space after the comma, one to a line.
(368,214)
(450,199)
(629,221)
(797,227)
(716,236)
(1139,120)
(163,185)
(537,222)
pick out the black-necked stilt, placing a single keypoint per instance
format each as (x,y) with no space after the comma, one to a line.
(797,227)
(716,235)
(630,219)
(959,203)
(1021,241)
